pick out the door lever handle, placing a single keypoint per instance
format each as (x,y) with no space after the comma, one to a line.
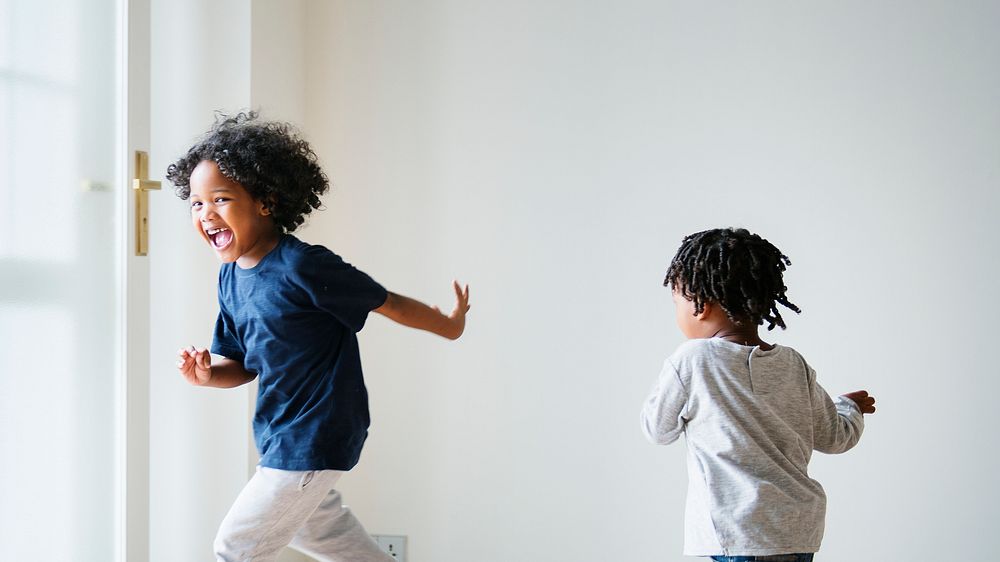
(142,186)
(145,185)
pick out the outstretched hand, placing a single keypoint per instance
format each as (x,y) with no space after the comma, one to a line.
(865,402)
(195,365)
(415,314)
(456,320)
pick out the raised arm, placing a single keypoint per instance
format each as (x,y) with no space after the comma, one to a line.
(415,314)
(838,424)
(198,368)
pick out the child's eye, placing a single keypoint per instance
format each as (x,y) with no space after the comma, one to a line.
(195,204)
(220,199)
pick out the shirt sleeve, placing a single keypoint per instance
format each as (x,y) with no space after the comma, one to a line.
(339,288)
(225,342)
(837,426)
(663,414)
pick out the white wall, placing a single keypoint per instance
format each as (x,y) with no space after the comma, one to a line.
(198,437)
(277,60)
(553,155)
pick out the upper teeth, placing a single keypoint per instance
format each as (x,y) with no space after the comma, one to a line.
(212,231)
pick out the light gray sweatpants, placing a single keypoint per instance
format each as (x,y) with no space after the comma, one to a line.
(279,508)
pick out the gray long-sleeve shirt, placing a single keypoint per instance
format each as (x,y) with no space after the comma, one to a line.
(751,419)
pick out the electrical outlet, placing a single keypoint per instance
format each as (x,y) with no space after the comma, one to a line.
(393,545)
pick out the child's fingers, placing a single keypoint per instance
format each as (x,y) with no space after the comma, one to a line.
(182,358)
(864,398)
(865,402)
(192,356)
(870,401)
(462,294)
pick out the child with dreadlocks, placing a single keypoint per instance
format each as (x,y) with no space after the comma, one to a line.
(751,412)
(289,317)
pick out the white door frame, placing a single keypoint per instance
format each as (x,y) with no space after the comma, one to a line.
(133,399)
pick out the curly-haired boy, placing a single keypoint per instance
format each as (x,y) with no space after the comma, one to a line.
(289,316)
(751,412)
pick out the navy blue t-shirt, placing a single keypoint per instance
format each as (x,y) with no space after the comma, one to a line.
(293,320)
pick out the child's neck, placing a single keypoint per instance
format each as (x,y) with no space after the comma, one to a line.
(262,246)
(743,335)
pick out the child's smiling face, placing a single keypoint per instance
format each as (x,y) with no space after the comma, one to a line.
(238,227)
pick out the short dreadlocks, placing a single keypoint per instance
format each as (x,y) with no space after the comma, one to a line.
(738,270)
(268,159)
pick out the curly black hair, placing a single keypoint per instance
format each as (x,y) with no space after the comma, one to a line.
(268,159)
(736,269)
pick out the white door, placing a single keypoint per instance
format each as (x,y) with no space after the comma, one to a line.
(73,327)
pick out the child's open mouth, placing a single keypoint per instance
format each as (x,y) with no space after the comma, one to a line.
(220,237)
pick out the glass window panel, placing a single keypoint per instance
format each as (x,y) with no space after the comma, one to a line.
(6,164)
(5,35)
(44,190)
(46,38)
(37,487)
(59,314)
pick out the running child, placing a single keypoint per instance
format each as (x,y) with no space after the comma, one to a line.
(289,316)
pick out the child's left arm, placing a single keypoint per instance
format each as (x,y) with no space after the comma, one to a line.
(415,314)
(838,425)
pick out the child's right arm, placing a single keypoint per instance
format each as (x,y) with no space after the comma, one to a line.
(665,411)
(198,368)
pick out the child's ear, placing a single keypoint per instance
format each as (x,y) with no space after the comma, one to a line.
(707,308)
(264,208)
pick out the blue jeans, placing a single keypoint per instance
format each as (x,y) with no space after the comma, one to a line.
(772,558)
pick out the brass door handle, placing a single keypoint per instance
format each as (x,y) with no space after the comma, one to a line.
(145,185)
(142,186)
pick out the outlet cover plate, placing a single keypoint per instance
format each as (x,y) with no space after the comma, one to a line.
(393,545)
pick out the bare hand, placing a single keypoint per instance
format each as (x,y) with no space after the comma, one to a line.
(865,402)
(456,319)
(195,365)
